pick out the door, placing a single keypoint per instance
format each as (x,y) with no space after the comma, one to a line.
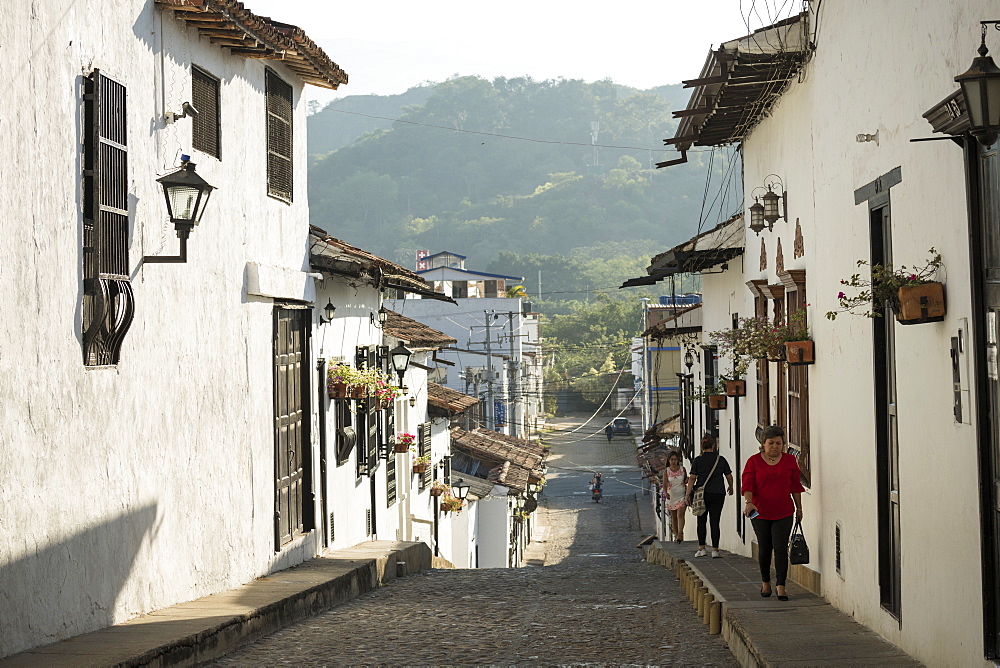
(988,265)
(292,456)
(886,432)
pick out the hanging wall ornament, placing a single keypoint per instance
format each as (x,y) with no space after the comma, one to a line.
(763,255)
(779,258)
(799,247)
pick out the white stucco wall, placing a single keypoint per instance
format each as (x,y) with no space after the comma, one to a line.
(852,86)
(127,489)
(494,529)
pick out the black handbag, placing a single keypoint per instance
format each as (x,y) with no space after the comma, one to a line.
(798,551)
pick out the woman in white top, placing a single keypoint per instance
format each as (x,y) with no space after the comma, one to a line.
(675,489)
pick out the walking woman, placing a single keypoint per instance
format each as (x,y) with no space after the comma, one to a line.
(772,489)
(707,470)
(674,488)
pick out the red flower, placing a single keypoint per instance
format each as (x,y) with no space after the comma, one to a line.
(841,295)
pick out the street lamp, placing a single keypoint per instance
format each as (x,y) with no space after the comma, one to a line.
(400,356)
(981,88)
(328,311)
(520,503)
(688,360)
(532,488)
(460,491)
(757,216)
(379,320)
(187,195)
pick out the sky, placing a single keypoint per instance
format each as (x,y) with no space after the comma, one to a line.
(388,46)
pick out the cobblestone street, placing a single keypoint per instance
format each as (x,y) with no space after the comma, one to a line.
(594,601)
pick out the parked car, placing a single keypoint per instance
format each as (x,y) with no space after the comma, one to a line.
(621,427)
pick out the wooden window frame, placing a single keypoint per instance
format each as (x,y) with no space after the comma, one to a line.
(763,370)
(798,381)
(424,450)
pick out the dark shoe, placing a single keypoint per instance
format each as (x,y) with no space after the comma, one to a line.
(782,597)
(765,594)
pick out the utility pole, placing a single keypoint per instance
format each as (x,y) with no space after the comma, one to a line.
(515,367)
(490,422)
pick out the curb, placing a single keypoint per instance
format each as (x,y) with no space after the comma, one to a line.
(206,629)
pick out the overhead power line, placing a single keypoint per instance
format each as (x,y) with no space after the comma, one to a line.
(500,136)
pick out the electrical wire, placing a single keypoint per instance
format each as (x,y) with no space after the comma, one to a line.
(502,136)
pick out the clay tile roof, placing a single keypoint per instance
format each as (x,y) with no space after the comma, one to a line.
(493,446)
(510,475)
(231,25)
(448,399)
(653,461)
(415,333)
(328,252)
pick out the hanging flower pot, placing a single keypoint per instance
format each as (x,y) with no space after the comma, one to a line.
(799,352)
(336,390)
(736,388)
(436,492)
(358,391)
(421,467)
(400,447)
(776,353)
(717,401)
(921,303)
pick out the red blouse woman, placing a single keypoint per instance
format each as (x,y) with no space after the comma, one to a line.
(772,489)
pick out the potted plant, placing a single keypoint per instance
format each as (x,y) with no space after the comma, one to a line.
(450,504)
(910,292)
(339,379)
(438,488)
(404,442)
(735,387)
(750,341)
(385,393)
(421,464)
(799,347)
(713,395)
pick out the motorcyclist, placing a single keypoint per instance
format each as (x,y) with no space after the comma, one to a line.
(597,486)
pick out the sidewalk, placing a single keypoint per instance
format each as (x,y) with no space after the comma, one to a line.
(204,629)
(803,631)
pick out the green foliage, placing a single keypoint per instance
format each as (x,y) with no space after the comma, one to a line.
(880,289)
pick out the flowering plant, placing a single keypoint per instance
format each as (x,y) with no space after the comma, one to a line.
(449,503)
(880,290)
(405,439)
(750,341)
(440,486)
(423,459)
(385,392)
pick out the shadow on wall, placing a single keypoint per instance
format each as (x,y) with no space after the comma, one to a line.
(70,587)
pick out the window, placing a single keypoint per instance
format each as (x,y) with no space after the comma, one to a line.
(347,437)
(205,135)
(424,450)
(763,375)
(390,481)
(279,136)
(108,301)
(798,381)
(490,289)
(460,289)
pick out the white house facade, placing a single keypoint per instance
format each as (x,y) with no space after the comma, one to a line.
(890,414)
(139,422)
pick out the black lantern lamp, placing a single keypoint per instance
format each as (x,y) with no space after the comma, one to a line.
(328,311)
(400,356)
(981,88)
(379,320)
(757,216)
(460,491)
(520,503)
(688,360)
(187,195)
(532,488)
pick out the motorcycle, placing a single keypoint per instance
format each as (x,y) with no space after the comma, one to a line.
(596,494)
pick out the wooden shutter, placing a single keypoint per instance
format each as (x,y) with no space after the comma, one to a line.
(424,451)
(390,481)
(763,372)
(279,136)
(108,301)
(205,135)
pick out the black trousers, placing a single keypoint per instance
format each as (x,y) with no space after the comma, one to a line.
(713,513)
(772,536)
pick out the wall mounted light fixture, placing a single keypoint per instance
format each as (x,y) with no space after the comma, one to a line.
(328,311)
(187,195)
(981,88)
(765,207)
(379,320)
